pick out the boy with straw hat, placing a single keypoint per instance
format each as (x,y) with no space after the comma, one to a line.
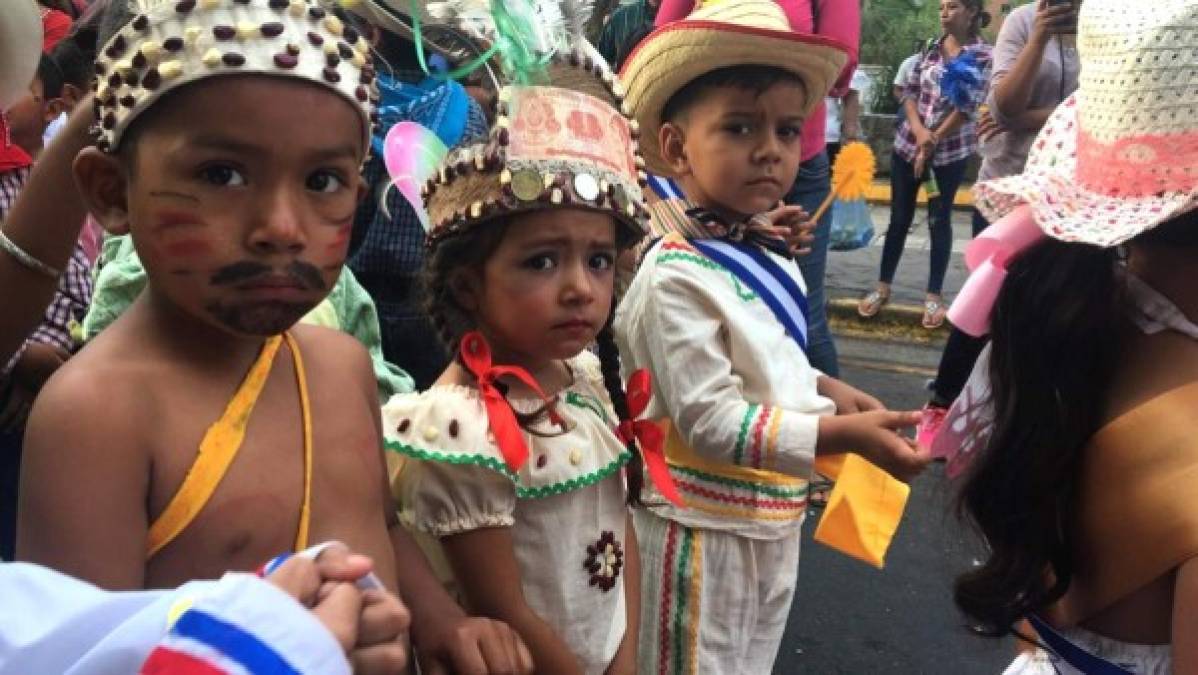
(717,313)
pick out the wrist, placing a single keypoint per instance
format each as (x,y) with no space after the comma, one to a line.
(431,614)
(829,437)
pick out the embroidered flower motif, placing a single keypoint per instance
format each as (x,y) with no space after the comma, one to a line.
(604,560)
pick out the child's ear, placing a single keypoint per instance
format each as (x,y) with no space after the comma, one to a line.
(466,286)
(673,148)
(52,109)
(101,181)
(71,96)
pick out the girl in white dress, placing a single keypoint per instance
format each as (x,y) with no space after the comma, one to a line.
(523,457)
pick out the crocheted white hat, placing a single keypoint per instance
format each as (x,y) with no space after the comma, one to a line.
(171,43)
(1120,156)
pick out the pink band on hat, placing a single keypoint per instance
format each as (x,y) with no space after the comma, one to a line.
(554,124)
(1139,166)
(987,257)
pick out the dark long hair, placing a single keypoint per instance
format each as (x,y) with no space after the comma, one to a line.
(470,250)
(1055,342)
(1057,335)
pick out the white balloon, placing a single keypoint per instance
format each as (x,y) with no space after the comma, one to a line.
(20,48)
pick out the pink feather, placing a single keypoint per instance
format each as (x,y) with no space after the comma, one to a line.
(412,153)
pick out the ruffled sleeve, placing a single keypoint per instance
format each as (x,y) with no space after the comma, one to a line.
(455,479)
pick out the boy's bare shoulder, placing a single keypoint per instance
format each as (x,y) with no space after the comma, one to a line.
(97,407)
(102,379)
(333,353)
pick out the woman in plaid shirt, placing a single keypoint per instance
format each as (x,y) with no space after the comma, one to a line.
(938,136)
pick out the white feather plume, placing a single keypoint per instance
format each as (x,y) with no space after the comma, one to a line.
(558,24)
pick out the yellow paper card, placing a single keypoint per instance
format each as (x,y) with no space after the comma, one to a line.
(863,511)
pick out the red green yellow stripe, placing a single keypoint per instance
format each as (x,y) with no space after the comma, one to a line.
(667,578)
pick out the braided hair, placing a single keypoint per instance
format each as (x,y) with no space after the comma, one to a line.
(609,364)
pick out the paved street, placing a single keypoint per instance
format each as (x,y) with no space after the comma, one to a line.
(852,273)
(850,618)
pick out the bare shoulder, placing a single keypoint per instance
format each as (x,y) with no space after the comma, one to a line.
(102,389)
(334,355)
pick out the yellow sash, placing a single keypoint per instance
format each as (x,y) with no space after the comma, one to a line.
(863,512)
(678,453)
(219,448)
(1138,518)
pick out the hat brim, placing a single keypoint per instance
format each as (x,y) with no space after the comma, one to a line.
(398,23)
(1064,208)
(679,52)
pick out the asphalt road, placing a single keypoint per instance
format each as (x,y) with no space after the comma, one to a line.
(848,617)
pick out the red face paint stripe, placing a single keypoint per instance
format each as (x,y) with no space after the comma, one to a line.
(186,248)
(166,220)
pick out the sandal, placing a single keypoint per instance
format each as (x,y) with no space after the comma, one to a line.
(934,312)
(872,303)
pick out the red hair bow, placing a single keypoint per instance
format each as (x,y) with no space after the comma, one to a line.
(476,354)
(650,436)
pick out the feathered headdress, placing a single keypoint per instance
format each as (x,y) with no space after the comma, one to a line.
(562,136)
(524,34)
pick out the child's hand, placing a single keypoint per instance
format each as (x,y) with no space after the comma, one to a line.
(875,436)
(382,645)
(848,399)
(473,645)
(371,626)
(792,224)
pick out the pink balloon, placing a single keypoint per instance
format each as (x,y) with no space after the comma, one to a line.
(412,153)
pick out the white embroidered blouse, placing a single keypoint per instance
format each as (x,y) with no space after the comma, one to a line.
(565,506)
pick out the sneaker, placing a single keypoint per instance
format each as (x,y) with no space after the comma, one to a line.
(929,425)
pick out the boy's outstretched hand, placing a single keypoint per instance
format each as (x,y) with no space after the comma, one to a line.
(876,436)
(848,399)
(792,224)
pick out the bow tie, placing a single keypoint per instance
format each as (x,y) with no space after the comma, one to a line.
(756,230)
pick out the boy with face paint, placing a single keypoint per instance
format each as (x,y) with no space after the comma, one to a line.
(229,140)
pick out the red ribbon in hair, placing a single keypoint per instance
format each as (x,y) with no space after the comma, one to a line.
(476,354)
(648,434)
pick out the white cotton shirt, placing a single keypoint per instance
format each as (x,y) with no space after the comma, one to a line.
(860,84)
(716,353)
(562,506)
(904,70)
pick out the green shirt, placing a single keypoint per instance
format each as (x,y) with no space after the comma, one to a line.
(121,278)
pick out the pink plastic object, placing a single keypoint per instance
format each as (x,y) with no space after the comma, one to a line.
(412,153)
(987,257)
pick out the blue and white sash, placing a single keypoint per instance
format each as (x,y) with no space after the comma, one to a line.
(766,277)
(1076,657)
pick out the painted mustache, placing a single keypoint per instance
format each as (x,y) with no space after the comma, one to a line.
(305,275)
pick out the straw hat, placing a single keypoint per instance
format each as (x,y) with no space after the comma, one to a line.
(720,35)
(1120,156)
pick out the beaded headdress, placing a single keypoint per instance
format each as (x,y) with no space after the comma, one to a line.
(562,135)
(172,43)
